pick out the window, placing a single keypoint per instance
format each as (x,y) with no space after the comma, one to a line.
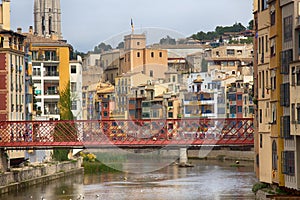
(259,45)
(170,114)
(293,110)
(170,103)
(240,109)
(285,94)
(293,80)
(73,69)
(230,51)
(251,109)
(105,105)
(288,28)
(239,97)
(298,113)
(74,105)
(274,113)
(299,37)
(273,80)
(50,55)
(138,54)
(267,41)
(274,155)
(73,87)
(260,115)
(273,19)
(105,113)
(233,109)
(286,58)
(138,43)
(272,47)
(288,162)
(263,84)
(160,54)
(152,54)
(264,4)
(298,76)
(285,127)
(151,73)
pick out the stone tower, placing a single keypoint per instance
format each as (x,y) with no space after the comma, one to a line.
(47,18)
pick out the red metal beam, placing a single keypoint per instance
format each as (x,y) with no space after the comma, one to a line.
(122,133)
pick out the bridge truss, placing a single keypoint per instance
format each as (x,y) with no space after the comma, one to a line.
(126,133)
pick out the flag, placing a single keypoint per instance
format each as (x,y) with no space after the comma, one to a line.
(132,26)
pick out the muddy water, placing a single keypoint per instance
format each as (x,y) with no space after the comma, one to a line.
(206,180)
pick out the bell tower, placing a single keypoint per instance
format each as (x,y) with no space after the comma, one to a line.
(47,18)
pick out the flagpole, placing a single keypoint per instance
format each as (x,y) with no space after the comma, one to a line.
(132,26)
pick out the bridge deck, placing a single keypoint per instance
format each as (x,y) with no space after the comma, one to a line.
(125,133)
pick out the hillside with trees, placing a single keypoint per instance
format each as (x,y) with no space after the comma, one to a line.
(221,30)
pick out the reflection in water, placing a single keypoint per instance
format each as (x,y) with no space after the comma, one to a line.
(207,180)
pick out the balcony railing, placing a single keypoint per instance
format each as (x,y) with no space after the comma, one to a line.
(51,73)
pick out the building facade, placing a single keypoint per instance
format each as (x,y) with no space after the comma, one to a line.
(277,63)
(50,73)
(76,87)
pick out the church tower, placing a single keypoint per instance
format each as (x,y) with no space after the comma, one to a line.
(47,18)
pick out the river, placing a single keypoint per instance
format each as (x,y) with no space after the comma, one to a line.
(206,180)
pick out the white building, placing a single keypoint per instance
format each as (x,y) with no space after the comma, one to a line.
(76,87)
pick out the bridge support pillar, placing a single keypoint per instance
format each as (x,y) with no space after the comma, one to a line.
(183,156)
(3,161)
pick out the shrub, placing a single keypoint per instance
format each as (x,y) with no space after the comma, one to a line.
(258,186)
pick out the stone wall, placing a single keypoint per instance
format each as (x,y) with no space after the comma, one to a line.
(225,154)
(31,175)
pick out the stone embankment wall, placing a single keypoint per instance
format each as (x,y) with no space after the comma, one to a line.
(223,154)
(30,175)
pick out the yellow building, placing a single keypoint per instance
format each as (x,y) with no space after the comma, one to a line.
(137,58)
(278,143)
(5,15)
(50,73)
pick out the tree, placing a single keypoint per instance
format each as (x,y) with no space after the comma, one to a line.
(102,47)
(65,131)
(219,31)
(65,104)
(167,41)
(250,25)
(120,45)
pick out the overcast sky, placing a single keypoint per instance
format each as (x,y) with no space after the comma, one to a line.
(86,23)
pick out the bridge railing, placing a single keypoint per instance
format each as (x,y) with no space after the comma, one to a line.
(127,132)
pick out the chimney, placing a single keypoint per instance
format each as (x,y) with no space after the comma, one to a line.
(30,30)
(5,14)
(19,30)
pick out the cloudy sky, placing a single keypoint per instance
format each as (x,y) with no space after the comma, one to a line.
(90,22)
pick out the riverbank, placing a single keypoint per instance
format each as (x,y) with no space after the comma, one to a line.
(18,178)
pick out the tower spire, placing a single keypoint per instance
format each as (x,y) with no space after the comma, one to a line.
(47,18)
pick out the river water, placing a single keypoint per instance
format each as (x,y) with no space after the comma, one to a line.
(206,180)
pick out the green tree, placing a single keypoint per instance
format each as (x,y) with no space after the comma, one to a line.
(102,47)
(120,45)
(250,25)
(219,31)
(65,104)
(167,41)
(64,131)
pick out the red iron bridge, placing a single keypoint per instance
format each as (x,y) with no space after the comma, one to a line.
(126,133)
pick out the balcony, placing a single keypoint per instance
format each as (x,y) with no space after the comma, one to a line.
(51,73)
